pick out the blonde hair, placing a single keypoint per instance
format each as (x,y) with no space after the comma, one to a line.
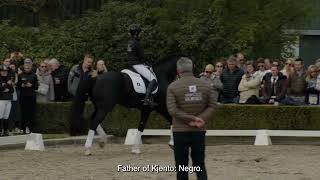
(209,67)
(310,69)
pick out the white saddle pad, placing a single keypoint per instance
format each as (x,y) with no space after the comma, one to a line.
(137,82)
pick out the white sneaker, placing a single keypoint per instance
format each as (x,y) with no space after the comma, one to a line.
(27,130)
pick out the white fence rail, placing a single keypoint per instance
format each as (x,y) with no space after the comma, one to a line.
(262,136)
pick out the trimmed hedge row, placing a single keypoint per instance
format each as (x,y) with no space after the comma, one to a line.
(53,118)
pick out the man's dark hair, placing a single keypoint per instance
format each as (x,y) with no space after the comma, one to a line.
(260,60)
(299,60)
(88,55)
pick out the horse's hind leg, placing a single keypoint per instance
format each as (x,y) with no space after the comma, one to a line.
(142,124)
(100,115)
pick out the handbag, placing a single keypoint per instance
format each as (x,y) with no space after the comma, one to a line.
(43,89)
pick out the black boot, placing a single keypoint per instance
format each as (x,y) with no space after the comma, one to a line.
(148,100)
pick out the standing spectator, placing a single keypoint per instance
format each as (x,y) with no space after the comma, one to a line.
(60,80)
(45,91)
(33,65)
(190,102)
(267,63)
(6,62)
(288,68)
(14,113)
(101,67)
(213,79)
(218,86)
(249,84)
(241,61)
(230,79)
(80,83)
(17,57)
(27,84)
(312,95)
(274,87)
(297,84)
(207,71)
(6,91)
(261,72)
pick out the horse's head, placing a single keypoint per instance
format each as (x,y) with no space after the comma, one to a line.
(166,70)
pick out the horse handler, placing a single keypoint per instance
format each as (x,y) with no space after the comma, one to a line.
(190,102)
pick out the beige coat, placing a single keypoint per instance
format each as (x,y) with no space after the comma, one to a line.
(248,87)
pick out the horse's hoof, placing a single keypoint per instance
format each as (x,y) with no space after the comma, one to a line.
(87,152)
(170,144)
(102,142)
(135,150)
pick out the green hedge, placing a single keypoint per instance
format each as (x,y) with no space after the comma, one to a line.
(53,118)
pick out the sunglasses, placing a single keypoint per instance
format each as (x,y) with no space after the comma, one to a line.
(209,72)
(43,66)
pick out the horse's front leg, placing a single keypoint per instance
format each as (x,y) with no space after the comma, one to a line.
(144,115)
(99,117)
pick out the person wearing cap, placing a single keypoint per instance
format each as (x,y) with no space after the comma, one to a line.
(190,102)
(6,90)
(27,84)
(60,80)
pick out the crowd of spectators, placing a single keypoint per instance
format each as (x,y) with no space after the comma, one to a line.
(25,83)
(235,80)
(264,81)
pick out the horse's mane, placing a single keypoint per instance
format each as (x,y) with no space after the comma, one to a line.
(164,61)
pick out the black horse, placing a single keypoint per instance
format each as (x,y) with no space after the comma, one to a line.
(114,88)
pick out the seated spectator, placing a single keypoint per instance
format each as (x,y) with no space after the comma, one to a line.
(297,84)
(27,84)
(312,93)
(230,79)
(288,68)
(101,67)
(249,84)
(6,91)
(60,80)
(274,87)
(45,91)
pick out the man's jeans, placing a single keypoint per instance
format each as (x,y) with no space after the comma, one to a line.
(234,100)
(293,100)
(182,142)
